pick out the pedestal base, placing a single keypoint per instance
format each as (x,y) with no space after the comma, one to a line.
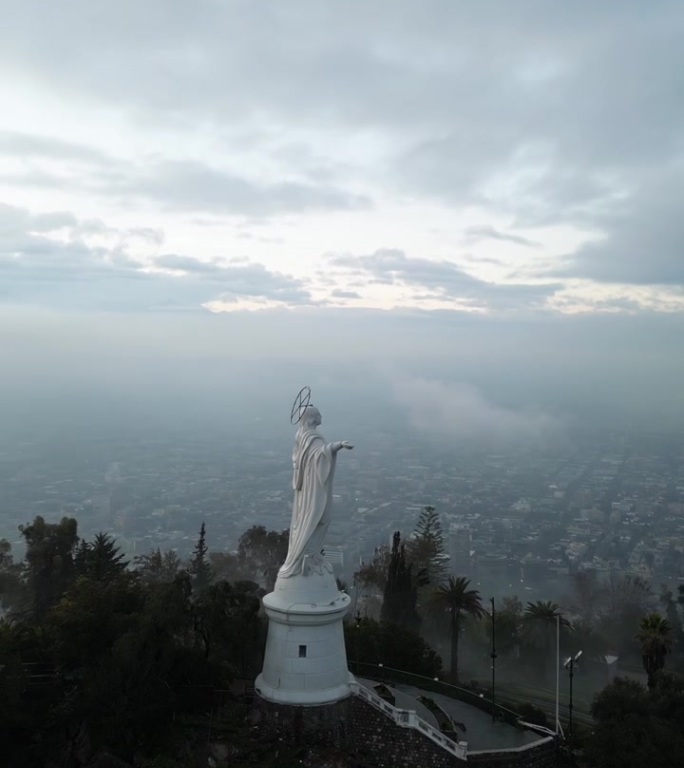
(305,662)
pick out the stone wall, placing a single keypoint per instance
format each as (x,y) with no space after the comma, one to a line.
(324,725)
(355,727)
(537,756)
(375,736)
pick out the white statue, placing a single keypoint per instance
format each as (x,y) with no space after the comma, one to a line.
(314,468)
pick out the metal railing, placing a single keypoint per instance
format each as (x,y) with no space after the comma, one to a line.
(467,696)
(407,718)
(523,748)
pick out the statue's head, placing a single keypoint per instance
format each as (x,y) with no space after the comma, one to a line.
(311,418)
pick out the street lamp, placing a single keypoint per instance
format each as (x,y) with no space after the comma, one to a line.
(570,666)
(357,619)
(493,656)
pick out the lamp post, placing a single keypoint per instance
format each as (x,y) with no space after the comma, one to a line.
(493,656)
(357,620)
(570,666)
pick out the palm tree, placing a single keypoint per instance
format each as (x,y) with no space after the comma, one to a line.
(539,627)
(455,598)
(655,637)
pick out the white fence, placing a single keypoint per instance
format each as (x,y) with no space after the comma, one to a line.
(407,718)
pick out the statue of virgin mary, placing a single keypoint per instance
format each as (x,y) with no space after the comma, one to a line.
(313,470)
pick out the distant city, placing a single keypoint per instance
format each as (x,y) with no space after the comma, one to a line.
(517,521)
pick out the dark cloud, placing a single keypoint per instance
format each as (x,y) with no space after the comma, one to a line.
(194,186)
(16,221)
(173,184)
(338,293)
(444,280)
(68,273)
(24,145)
(240,279)
(485,232)
(644,239)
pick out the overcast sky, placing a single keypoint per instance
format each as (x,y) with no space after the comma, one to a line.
(386,168)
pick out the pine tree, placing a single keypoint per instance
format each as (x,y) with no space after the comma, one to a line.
(99,559)
(106,559)
(200,569)
(426,550)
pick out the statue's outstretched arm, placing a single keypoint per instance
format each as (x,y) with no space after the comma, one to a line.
(338,446)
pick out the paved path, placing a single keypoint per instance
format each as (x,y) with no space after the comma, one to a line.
(404,701)
(481,732)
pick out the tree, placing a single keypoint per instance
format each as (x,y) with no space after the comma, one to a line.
(426,548)
(373,642)
(261,553)
(226,619)
(11,585)
(508,625)
(587,597)
(119,658)
(539,625)
(628,599)
(369,582)
(586,639)
(24,711)
(156,566)
(100,559)
(134,690)
(668,601)
(655,639)
(50,569)
(401,588)
(628,593)
(457,599)
(633,728)
(619,699)
(373,576)
(225,566)
(92,615)
(200,570)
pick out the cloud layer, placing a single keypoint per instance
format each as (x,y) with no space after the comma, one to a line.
(460,412)
(543,138)
(54,260)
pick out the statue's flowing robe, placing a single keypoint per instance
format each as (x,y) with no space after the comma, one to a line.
(312,480)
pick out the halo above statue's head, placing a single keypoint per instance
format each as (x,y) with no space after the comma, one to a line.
(301,403)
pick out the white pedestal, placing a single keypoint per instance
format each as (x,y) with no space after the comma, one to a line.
(305,661)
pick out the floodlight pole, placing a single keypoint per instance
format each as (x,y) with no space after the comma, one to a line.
(570,666)
(493,655)
(557,676)
(571,671)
